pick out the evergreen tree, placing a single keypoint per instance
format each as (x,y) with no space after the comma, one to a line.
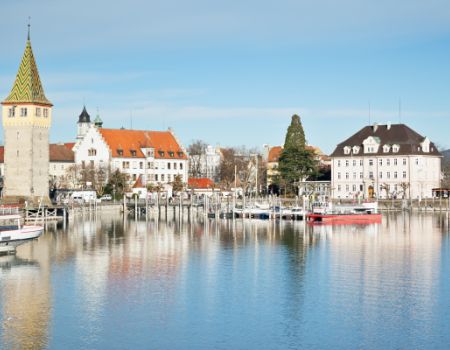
(295,136)
(296,162)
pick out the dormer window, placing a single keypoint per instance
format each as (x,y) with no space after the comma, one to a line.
(150,153)
(180,154)
(395,148)
(386,148)
(425,145)
(171,154)
(347,150)
(133,152)
(161,153)
(356,149)
(120,152)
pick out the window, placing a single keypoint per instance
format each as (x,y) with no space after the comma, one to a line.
(404,161)
(354,188)
(141,165)
(388,162)
(180,154)
(18,134)
(395,161)
(361,175)
(370,174)
(134,165)
(45,113)
(395,174)
(417,161)
(92,152)
(133,152)
(161,153)
(181,166)
(162,177)
(23,112)
(354,162)
(339,176)
(395,148)
(370,162)
(120,152)
(361,162)
(346,176)
(354,176)
(388,174)
(38,112)
(150,165)
(346,163)
(171,154)
(168,166)
(347,188)
(339,188)
(175,166)
(380,162)
(338,163)
(156,177)
(404,174)
(11,112)
(169,178)
(381,174)
(134,177)
(151,153)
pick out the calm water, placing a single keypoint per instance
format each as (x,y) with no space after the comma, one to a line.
(109,284)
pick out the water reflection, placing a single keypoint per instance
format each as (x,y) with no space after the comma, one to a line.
(106,282)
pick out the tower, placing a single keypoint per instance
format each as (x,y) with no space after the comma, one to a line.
(27,116)
(84,122)
(98,122)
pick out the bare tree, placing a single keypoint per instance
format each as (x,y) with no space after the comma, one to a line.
(196,152)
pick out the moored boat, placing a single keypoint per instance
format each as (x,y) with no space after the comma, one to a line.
(12,232)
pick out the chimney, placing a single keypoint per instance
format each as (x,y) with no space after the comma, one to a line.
(388,125)
(375,127)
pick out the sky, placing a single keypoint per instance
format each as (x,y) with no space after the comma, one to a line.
(232,72)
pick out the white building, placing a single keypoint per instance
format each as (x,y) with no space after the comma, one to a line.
(210,163)
(157,156)
(385,161)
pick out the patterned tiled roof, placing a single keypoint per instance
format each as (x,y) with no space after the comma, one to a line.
(27,88)
(125,143)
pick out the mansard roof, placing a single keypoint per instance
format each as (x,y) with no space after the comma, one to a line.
(130,142)
(395,134)
(27,87)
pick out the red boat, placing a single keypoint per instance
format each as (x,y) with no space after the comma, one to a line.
(350,218)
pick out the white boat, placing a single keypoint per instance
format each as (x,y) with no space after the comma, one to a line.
(12,232)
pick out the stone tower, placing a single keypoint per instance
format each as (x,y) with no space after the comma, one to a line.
(84,122)
(27,117)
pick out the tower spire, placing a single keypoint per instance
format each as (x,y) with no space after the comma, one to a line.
(29,26)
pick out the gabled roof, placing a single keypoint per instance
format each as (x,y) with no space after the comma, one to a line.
(27,88)
(139,183)
(399,134)
(163,142)
(200,183)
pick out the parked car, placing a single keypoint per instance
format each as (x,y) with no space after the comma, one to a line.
(106,197)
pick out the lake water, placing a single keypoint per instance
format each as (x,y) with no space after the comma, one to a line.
(109,284)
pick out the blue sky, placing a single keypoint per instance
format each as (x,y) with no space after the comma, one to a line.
(233,72)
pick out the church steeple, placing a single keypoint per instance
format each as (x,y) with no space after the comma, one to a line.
(27,87)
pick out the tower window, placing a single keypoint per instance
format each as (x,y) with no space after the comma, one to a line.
(38,112)
(23,112)
(45,112)
(11,113)
(92,152)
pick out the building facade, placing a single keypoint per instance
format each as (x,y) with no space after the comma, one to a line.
(155,156)
(27,117)
(385,161)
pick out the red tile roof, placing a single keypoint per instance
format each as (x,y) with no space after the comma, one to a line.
(57,153)
(200,183)
(163,142)
(139,183)
(274,154)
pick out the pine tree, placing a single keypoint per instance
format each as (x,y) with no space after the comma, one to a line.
(296,162)
(295,136)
